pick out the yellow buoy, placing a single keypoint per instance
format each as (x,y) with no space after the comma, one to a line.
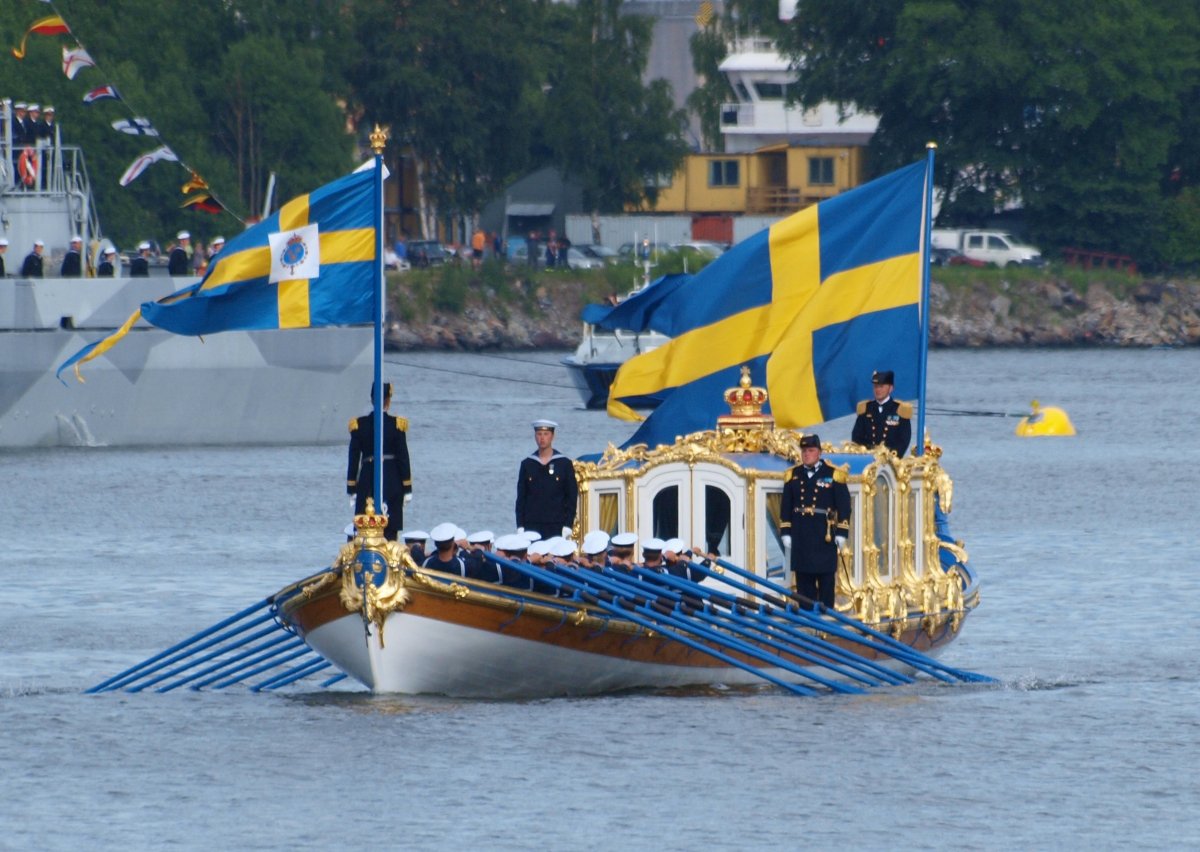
(1045,421)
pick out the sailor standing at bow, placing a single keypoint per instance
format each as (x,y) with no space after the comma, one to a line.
(814,521)
(397,475)
(547,493)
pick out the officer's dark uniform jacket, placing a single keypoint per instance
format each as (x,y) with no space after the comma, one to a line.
(815,509)
(547,494)
(72,265)
(177,263)
(889,424)
(397,474)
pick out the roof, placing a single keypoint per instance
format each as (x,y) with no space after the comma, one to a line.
(528,208)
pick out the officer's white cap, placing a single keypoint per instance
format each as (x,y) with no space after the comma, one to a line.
(655,544)
(563,547)
(512,543)
(545,424)
(183,235)
(481,537)
(624,539)
(443,532)
(414,535)
(76,239)
(595,542)
(530,536)
(539,548)
(39,243)
(144,245)
(3,241)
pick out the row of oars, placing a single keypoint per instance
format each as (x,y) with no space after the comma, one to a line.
(247,645)
(767,635)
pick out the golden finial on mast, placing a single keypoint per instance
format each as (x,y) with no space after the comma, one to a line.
(378,137)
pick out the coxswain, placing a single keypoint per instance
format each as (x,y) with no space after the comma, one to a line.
(547,493)
(397,473)
(814,521)
(883,420)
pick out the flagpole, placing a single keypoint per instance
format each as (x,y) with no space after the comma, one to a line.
(923,357)
(378,140)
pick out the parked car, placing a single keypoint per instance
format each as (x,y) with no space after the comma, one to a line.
(700,246)
(952,257)
(603,253)
(423,253)
(576,259)
(998,247)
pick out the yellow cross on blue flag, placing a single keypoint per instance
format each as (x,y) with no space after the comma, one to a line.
(813,306)
(313,263)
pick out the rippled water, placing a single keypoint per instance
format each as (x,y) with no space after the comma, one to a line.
(1085,547)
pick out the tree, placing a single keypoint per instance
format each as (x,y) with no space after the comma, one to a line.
(1071,109)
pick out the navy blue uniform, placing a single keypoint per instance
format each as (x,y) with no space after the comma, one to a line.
(547,494)
(177,264)
(889,424)
(72,265)
(456,565)
(815,510)
(105,270)
(397,474)
(32,267)
(139,267)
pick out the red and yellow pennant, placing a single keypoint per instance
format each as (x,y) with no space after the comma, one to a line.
(51,25)
(203,202)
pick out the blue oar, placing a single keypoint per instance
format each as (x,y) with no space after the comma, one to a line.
(614,609)
(893,647)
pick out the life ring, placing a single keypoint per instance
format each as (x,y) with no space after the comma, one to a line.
(27,166)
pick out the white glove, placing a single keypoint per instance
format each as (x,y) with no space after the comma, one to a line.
(384,510)
(787,541)
(566,533)
(520,529)
(840,540)
(407,498)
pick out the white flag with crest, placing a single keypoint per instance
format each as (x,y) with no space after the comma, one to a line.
(296,254)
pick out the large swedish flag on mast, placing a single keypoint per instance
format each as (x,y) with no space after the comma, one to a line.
(813,305)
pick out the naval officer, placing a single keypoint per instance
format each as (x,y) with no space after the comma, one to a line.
(397,475)
(547,492)
(883,420)
(814,521)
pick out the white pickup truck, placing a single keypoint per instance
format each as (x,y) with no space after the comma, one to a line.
(998,247)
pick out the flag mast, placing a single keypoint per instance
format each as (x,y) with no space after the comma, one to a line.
(378,139)
(923,355)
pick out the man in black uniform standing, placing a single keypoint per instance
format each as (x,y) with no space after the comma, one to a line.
(32,267)
(883,420)
(814,521)
(177,263)
(547,493)
(397,474)
(139,267)
(72,265)
(106,268)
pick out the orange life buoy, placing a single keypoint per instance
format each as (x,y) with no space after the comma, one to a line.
(28,166)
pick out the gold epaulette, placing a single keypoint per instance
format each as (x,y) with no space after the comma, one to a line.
(905,410)
(840,475)
(353,424)
(862,407)
(402,423)
(787,477)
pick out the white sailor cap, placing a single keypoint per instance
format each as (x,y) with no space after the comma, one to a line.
(595,542)
(144,245)
(20,105)
(48,109)
(414,535)
(539,548)
(564,548)
(3,241)
(530,536)
(512,543)
(459,533)
(34,108)
(39,243)
(217,241)
(109,250)
(183,235)
(443,532)
(675,545)
(624,539)
(76,238)
(544,424)
(481,537)
(655,544)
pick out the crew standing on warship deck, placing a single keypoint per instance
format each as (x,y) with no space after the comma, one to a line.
(397,475)
(32,267)
(72,265)
(177,263)
(106,269)
(814,520)
(139,267)
(883,420)
(547,493)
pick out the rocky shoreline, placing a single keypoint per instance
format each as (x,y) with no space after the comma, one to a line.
(991,310)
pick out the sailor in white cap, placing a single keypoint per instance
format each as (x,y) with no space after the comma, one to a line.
(547,493)
(32,267)
(446,557)
(3,249)
(595,550)
(139,267)
(19,140)
(620,555)
(415,540)
(177,264)
(107,267)
(480,567)
(530,536)
(72,265)
(652,549)
(214,248)
(514,547)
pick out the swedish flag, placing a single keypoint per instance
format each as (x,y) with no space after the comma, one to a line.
(313,263)
(813,305)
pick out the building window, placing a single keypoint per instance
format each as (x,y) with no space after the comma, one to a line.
(723,173)
(820,171)
(660,181)
(769,91)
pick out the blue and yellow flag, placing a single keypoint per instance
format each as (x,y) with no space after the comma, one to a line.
(313,263)
(813,305)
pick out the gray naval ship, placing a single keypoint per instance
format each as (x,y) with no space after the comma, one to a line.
(295,386)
